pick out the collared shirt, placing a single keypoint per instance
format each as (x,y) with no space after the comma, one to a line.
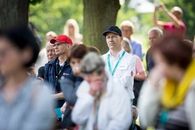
(125,70)
(113,113)
(31,109)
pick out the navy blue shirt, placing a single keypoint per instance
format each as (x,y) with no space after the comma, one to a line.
(54,72)
(149,61)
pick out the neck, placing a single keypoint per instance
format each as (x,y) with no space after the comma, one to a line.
(13,81)
(62,58)
(71,35)
(114,52)
(179,76)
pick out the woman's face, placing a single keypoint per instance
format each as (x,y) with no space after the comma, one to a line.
(70,29)
(169,71)
(75,65)
(11,59)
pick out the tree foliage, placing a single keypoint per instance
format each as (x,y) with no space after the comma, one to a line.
(188,7)
(51,15)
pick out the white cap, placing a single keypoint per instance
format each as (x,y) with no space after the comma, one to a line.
(177,9)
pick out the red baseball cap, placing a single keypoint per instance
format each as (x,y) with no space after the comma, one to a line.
(61,39)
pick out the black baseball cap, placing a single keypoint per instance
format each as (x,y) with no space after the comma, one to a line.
(113,29)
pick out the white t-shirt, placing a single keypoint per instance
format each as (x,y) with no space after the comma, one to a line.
(125,70)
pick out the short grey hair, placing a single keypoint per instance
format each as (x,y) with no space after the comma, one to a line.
(157,30)
(91,62)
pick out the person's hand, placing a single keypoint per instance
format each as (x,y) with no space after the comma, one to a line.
(95,88)
(63,108)
(156,75)
(76,70)
(160,7)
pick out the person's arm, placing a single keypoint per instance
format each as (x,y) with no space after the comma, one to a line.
(40,115)
(148,104)
(189,107)
(176,21)
(155,19)
(83,106)
(140,71)
(138,50)
(58,96)
(70,93)
(127,78)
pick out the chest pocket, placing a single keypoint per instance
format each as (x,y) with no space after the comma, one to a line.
(121,70)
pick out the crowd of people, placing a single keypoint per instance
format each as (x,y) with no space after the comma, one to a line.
(69,85)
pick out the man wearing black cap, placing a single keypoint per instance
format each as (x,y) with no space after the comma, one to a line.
(119,64)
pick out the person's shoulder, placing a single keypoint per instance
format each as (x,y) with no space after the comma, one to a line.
(130,57)
(38,87)
(83,88)
(41,94)
(51,62)
(136,42)
(104,56)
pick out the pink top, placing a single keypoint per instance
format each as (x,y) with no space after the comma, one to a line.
(139,66)
(170,29)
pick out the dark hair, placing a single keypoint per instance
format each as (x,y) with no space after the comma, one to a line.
(78,51)
(22,38)
(175,51)
(94,49)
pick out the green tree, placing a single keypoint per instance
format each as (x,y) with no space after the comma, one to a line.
(189,13)
(98,14)
(13,12)
(51,15)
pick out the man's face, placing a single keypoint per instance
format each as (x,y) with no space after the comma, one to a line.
(113,41)
(153,37)
(126,31)
(50,52)
(60,48)
(97,77)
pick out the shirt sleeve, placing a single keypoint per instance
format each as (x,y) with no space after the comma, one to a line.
(83,106)
(148,104)
(70,90)
(139,65)
(41,114)
(189,107)
(138,50)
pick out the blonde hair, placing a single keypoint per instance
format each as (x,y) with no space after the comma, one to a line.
(74,23)
(49,35)
(128,24)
